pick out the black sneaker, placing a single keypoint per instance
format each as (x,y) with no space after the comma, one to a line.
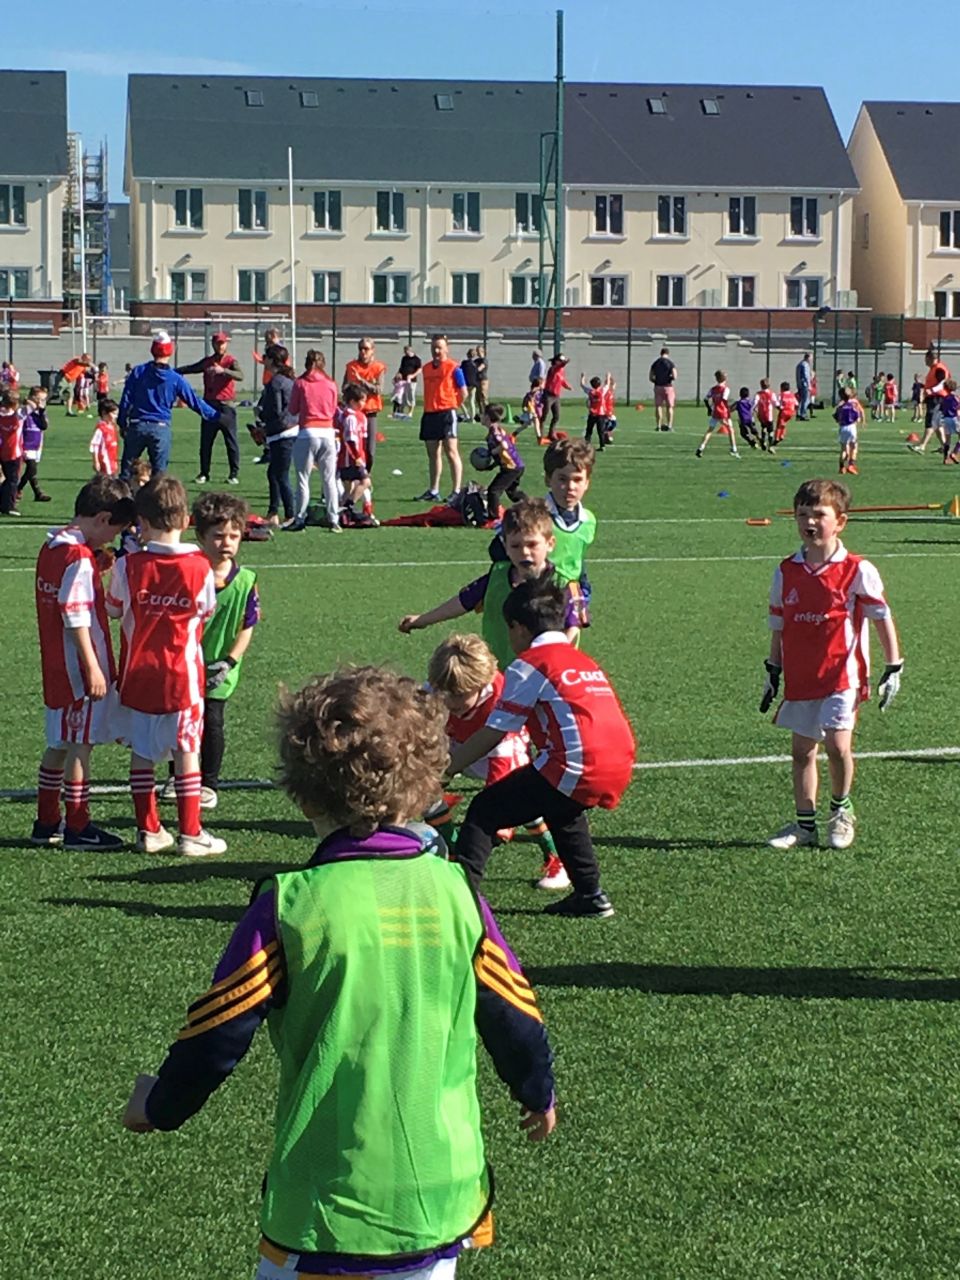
(578,904)
(46,833)
(91,837)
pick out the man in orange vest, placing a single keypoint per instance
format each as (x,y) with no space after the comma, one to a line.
(444,390)
(72,372)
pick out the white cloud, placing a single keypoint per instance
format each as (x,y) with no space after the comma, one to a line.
(122,62)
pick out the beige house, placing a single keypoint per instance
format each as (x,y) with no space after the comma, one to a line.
(706,196)
(33,176)
(906,243)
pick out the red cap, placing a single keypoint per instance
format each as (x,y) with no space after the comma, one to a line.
(162,345)
(221,337)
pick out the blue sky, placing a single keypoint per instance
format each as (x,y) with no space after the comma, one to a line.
(818,42)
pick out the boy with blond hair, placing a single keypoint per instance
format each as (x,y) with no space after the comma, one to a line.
(820,602)
(717,401)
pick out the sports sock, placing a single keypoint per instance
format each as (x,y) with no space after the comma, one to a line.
(838,803)
(143,789)
(188,803)
(807,819)
(539,832)
(49,783)
(76,797)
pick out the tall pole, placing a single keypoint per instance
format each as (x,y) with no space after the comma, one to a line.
(81,185)
(559,267)
(293,261)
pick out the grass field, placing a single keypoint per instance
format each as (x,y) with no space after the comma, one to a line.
(757,1056)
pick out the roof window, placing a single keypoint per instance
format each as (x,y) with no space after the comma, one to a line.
(710,106)
(309,98)
(253,97)
(443,101)
(655,107)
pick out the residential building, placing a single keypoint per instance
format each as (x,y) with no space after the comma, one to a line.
(33,175)
(906,242)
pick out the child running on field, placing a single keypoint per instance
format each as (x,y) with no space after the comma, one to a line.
(786,411)
(502,448)
(820,602)
(34,426)
(531,408)
(596,391)
(105,441)
(949,413)
(717,401)
(744,411)
(11,451)
(765,403)
(377,969)
(916,398)
(848,415)
(163,595)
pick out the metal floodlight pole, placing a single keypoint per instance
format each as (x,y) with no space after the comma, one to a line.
(293,261)
(83,247)
(559,267)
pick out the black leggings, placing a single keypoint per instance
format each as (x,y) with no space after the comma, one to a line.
(213,743)
(522,797)
(371,439)
(8,490)
(225,422)
(29,477)
(504,482)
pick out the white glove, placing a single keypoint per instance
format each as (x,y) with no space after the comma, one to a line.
(217,672)
(889,685)
(772,686)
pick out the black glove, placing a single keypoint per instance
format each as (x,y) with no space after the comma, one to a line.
(772,686)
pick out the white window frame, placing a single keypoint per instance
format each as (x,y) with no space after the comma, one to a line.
(808,204)
(325,277)
(14,204)
(253,273)
(192,218)
(527,213)
(952,219)
(951,303)
(609,284)
(188,280)
(804,283)
(736,283)
(258,196)
(460,282)
(466,199)
(672,220)
(8,289)
(530,287)
(395,225)
(330,205)
(672,280)
(605,213)
(391,278)
(741,216)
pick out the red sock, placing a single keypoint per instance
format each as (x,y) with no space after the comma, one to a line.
(49,784)
(188,803)
(76,796)
(142,785)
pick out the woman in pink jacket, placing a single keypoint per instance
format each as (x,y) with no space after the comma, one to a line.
(313,402)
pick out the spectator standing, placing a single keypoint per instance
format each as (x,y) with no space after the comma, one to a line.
(279,429)
(221,373)
(554,386)
(483,381)
(313,402)
(538,370)
(366,372)
(443,391)
(410,366)
(73,372)
(146,407)
(804,373)
(468,367)
(271,338)
(663,376)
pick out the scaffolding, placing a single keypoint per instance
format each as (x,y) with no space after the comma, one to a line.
(86,230)
(552,270)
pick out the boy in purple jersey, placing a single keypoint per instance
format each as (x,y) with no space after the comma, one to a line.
(949,413)
(503,449)
(744,411)
(34,425)
(848,415)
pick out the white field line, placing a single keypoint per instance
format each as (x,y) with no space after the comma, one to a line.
(264,784)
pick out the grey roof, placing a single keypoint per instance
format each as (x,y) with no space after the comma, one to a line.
(33,123)
(761,137)
(361,130)
(921,141)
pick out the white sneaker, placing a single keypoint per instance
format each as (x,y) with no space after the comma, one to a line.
(167,794)
(155,841)
(208,798)
(554,875)
(841,829)
(203,845)
(793,836)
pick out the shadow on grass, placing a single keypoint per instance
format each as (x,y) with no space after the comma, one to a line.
(195,872)
(792,983)
(653,842)
(220,912)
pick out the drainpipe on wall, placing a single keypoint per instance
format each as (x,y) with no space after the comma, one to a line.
(917,262)
(425,244)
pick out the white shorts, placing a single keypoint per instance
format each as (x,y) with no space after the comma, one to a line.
(157,737)
(848,435)
(85,722)
(812,718)
(445,1269)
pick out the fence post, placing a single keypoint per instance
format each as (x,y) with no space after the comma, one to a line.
(409,326)
(94,326)
(836,356)
(8,319)
(176,331)
(484,332)
(767,374)
(629,348)
(939,335)
(333,341)
(900,370)
(856,349)
(699,348)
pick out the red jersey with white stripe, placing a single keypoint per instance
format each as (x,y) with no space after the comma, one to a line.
(163,595)
(719,409)
(11,436)
(822,611)
(595,400)
(586,746)
(764,403)
(512,752)
(353,439)
(105,447)
(787,406)
(609,402)
(891,392)
(69,596)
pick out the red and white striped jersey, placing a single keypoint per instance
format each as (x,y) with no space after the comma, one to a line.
(823,611)
(512,752)
(163,595)
(352,450)
(764,402)
(586,746)
(786,406)
(105,447)
(69,596)
(609,402)
(718,395)
(595,399)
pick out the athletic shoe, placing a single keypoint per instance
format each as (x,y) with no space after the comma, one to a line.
(208,798)
(553,874)
(167,794)
(233,479)
(296,525)
(841,829)
(597,905)
(852,471)
(914,448)
(14,512)
(46,833)
(203,845)
(793,836)
(334,528)
(699,453)
(734,453)
(42,497)
(428,495)
(260,461)
(92,837)
(155,841)
(202,479)
(772,450)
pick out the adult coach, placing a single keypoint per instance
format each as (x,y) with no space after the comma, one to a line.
(553,388)
(933,393)
(146,407)
(804,372)
(663,375)
(538,370)
(366,372)
(444,389)
(221,373)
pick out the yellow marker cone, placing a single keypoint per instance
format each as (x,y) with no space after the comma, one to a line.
(952,508)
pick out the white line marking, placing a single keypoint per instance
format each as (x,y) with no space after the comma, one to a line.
(707,762)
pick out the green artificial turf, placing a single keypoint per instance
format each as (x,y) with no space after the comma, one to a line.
(756,1057)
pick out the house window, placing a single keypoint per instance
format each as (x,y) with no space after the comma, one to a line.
(252,210)
(804,216)
(741,291)
(804,291)
(946,303)
(13,205)
(608,215)
(529,212)
(252,286)
(742,216)
(949,229)
(327,214)
(671,291)
(671,215)
(188,286)
(525,291)
(391,211)
(14,282)
(466,288)
(608,291)
(326,286)
(188,208)
(391,288)
(466,211)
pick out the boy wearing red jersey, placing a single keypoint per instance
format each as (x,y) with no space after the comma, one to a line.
(764,403)
(717,401)
(11,451)
(820,602)
(585,748)
(786,411)
(76,656)
(163,595)
(105,442)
